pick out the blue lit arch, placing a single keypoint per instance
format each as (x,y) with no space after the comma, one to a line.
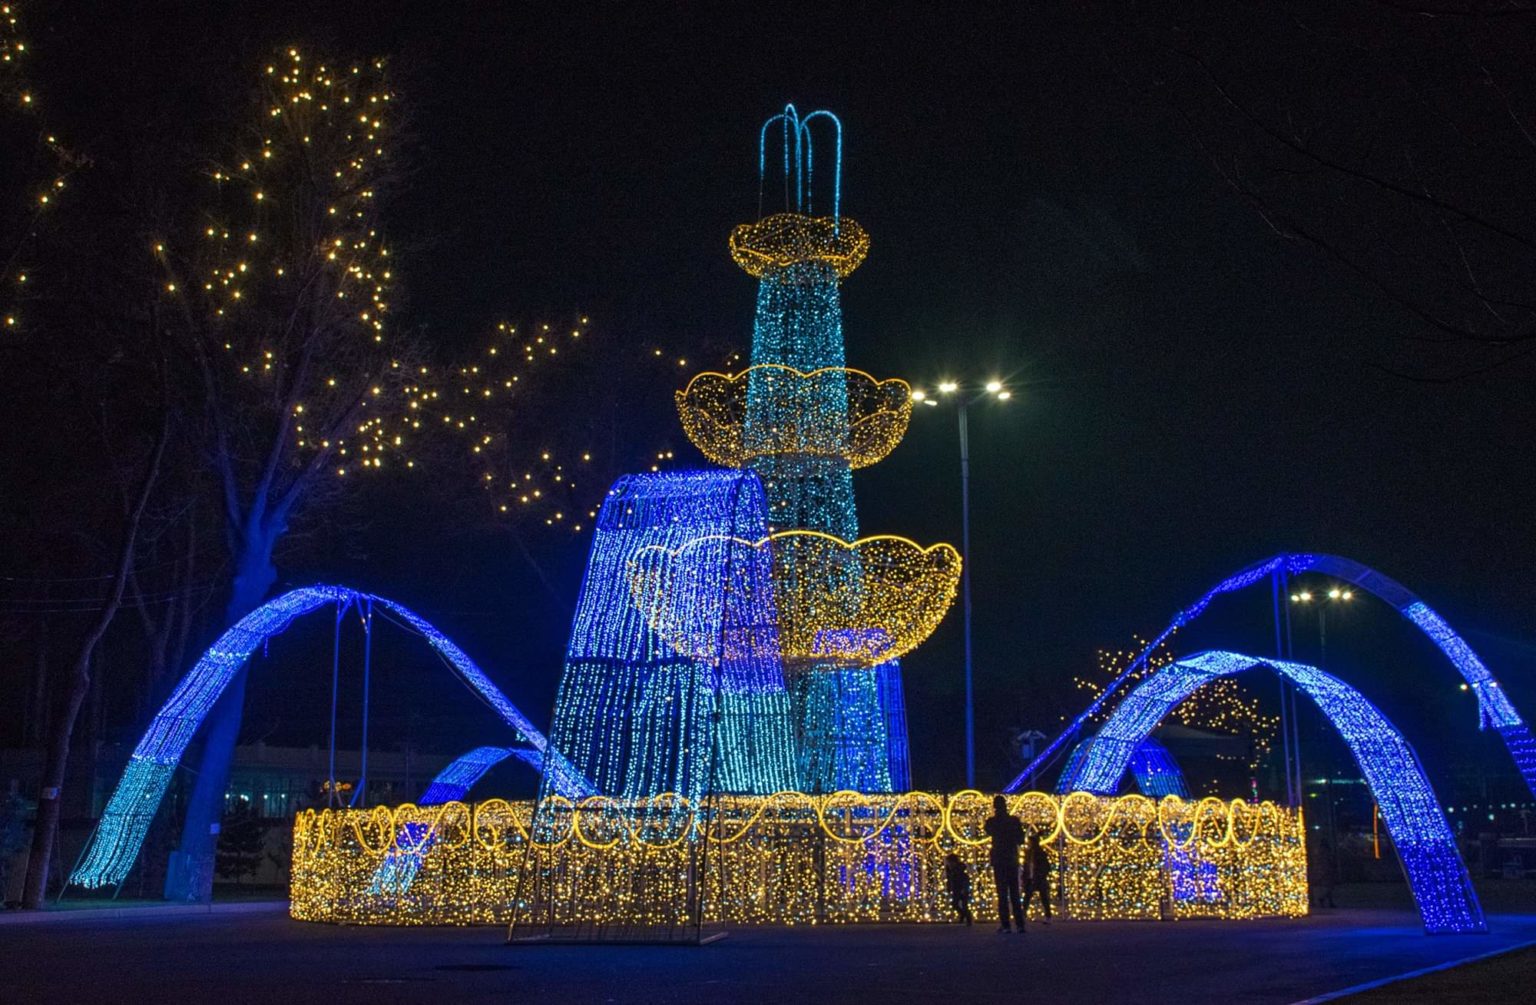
(120,834)
(1423,837)
(1156,772)
(397,872)
(455,781)
(1493,705)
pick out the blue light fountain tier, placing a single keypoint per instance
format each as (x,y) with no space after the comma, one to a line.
(803,423)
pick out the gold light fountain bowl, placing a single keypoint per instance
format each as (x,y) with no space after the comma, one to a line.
(835,604)
(785,239)
(831,412)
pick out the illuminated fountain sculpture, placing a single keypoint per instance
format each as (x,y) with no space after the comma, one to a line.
(848,608)
(728,742)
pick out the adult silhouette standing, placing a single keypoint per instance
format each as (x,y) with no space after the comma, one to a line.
(1007,835)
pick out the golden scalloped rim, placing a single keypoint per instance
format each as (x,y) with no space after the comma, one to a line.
(820,625)
(720,435)
(785,239)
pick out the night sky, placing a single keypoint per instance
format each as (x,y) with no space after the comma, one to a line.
(1192,392)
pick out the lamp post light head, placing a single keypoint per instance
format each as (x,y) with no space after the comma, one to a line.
(994,386)
(918,394)
(1004,395)
(1335,593)
(948,387)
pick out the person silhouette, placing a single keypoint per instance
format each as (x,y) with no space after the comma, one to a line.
(959,882)
(1039,875)
(1007,835)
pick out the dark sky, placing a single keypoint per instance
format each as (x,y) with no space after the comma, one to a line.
(1192,393)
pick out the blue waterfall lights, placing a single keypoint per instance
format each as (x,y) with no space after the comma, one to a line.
(1494,708)
(799,159)
(634,714)
(1413,815)
(133,804)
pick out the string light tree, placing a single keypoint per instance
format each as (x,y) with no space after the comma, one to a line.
(283,287)
(847,608)
(42,178)
(1224,706)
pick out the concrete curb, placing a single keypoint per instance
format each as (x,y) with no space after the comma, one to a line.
(145,911)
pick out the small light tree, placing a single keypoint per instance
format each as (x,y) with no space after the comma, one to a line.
(1222,706)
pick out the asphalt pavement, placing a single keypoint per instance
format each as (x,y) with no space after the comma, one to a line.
(263,956)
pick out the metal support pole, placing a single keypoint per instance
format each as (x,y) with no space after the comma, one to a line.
(341,608)
(965,576)
(1290,652)
(1278,591)
(362,779)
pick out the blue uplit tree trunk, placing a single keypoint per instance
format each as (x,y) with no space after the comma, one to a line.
(283,286)
(190,875)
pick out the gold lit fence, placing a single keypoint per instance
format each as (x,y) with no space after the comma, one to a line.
(788,858)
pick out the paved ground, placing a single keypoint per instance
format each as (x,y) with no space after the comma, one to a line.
(263,956)
(1508,976)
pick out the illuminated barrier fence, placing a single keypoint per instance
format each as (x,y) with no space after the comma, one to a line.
(791,858)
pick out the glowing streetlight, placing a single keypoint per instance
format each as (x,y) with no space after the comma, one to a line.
(964,397)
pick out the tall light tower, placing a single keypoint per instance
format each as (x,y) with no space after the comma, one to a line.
(963,396)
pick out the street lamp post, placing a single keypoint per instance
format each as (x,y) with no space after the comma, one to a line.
(964,397)
(1320,603)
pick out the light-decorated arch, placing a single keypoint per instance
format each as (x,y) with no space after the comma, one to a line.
(1413,816)
(1493,705)
(453,783)
(120,834)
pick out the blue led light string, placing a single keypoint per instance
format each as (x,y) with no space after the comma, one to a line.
(141,788)
(454,781)
(844,716)
(633,713)
(1494,707)
(397,872)
(894,703)
(1414,818)
(799,160)
(1157,774)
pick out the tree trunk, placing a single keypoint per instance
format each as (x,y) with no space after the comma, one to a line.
(46,828)
(190,876)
